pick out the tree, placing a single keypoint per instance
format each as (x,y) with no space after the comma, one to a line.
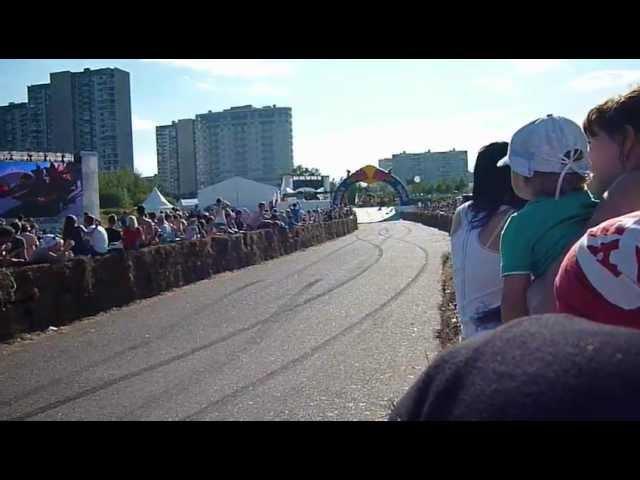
(462,185)
(122,189)
(300,170)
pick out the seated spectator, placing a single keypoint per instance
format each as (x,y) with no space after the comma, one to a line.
(73,236)
(50,250)
(545,367)
(148,228)
(210,226)
(239,221)
(257,219)
(30,239)
(97,236)
(132,235)
(296,212)
(191,232)
(219,216)
(180,225)
(548,167)
(475,242)
(291,224)
(114,235)
(17,228)
(202,227)
(12,248)
(230,219)
(166,231)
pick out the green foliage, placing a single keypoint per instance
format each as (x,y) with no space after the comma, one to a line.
(112,198)
(462,185)
(123,189)
(300,170)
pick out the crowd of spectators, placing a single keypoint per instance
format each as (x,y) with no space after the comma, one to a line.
(22,242)
(443,206)
(546,260)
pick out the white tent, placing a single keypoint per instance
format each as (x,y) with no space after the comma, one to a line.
(239,192)
(155,202)
(188,203)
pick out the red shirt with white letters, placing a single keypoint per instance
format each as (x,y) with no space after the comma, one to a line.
(599,278)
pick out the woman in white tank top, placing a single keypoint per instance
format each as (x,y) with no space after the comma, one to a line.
(475,239)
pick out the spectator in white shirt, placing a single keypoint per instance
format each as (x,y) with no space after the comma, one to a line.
(97,236)
(167,234)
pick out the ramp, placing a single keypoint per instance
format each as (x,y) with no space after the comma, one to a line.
(376,214)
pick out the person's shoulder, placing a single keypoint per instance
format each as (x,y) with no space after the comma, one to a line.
(465,382)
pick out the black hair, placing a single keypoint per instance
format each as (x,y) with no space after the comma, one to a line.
(491,185)
(6,232)
(17,227)
(70,223)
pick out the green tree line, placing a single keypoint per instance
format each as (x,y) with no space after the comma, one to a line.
(441,187)
(123,189)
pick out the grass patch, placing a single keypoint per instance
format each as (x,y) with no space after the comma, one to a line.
(449,332)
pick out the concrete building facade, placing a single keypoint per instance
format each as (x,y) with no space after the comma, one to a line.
(254,143)
(88,110)
(430,166)
(14,127)
(175,145)
(40,119)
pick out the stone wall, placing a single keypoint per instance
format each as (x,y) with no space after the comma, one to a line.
(54,295)
(441,221)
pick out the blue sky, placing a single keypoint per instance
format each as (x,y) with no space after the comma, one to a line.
(347,113)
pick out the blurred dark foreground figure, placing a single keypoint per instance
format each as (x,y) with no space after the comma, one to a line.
(543,367)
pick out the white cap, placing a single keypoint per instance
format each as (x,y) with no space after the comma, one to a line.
(549,144)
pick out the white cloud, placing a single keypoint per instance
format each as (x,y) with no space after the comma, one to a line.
(603,79)
(142,124)
(233,68)
(536,66)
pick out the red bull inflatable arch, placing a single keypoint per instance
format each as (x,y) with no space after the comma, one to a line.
(370,174)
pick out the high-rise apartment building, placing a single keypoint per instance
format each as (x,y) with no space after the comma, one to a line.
(255,143)
(14,126)
(91,110)
(40,120)
(430,166)
(88,110)
(385,163)
(175,146)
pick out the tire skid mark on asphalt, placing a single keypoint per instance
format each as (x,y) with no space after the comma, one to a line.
(274,319)
(163,333)
(219,340)
(181,382)
(321,346)
(175,325)
(270,321)
(136,373)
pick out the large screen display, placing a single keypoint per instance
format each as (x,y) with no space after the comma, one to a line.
(40,189)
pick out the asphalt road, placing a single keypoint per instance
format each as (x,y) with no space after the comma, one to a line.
(335,332)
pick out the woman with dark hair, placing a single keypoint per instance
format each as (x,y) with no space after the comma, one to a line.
(475,242)
(73,236)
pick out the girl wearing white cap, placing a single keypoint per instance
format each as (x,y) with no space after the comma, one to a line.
(549,168)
